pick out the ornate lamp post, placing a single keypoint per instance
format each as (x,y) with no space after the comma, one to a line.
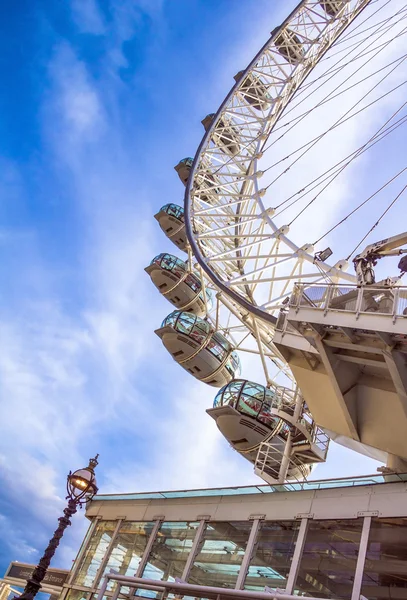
(81,487)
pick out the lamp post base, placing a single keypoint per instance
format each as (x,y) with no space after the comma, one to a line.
(34,583)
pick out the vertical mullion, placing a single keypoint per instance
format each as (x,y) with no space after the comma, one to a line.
(107,555)
(360,565)
(146,553)
(244,567)
(82,550)
(295,563)
(194,550)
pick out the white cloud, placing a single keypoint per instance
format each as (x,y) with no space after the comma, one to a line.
(88,16)
(75,103)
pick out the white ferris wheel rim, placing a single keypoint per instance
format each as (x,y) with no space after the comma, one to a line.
(330,31)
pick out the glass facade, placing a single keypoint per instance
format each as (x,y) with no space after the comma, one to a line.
(77,595)
(128,548)
(94,553)
(385,572)
(221,554)
(170,550)
(326,565)
(271,560)
(328,562)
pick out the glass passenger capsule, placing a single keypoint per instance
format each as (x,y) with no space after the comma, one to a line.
(254,91)
(205,181)
(198,348)
(248,413)
(225,136)
(180,286)
(333,7)
(289,46)
(183,168)
(171,220)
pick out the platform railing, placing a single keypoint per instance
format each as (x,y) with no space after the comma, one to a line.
(377,299)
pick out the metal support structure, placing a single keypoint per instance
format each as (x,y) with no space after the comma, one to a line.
(285,462)
(104,585)
(194,550)
(295,564)
(147,551)
(244,567)
(360,565)
(106,557)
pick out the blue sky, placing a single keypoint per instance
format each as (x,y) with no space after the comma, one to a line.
(99,101)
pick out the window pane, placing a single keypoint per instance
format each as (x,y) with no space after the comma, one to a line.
(170,551)
(328,563)
(128,548)
(271,561)
(77,595)
(385,569)
(218,562)
(95,552)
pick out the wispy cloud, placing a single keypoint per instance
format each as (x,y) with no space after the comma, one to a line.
(88,17)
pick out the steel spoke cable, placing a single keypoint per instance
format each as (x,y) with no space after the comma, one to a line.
(339,172)
(335,69)
(378,25)
(230,160)
(329,98)
(245,147)
(341,121)
(359,151)
(378,221)
(324,100)
(360,206)
(351,33)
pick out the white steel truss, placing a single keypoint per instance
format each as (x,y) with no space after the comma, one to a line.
(233,236)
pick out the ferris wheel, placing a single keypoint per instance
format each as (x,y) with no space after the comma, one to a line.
(300,168)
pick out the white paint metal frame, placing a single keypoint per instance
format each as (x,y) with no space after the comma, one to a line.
(226,219)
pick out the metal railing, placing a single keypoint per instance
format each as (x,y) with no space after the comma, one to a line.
(181,589)
(377,299)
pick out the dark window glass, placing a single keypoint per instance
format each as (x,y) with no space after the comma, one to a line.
(95,553)
(272,557)
(218,562)
(328,563)
(170,551)
(385,572)
(128,548)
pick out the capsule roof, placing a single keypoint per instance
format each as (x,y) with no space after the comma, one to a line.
(186,322)
(169,262)
(187,161)
(248,397)
(202,331)
(173,209)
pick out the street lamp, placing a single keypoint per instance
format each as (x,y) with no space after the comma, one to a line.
(81,487)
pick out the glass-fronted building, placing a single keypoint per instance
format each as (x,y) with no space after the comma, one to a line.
(327,539)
